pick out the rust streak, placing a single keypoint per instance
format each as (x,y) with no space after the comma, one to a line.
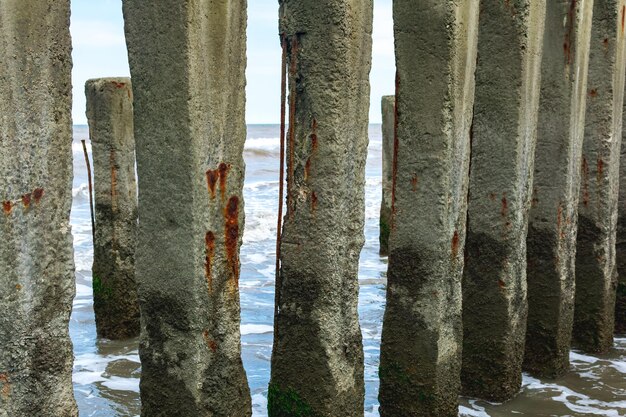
(211,179)
(209,244)
(118,85)
(313,201)
(593,93)
(26,199)
(223,175)
(504,209)
(414,182)
(623,15)
(213,176)
(231,232)
(600,169)
(307,168)
(6,386)
(501,284)
(455,244)
(38,194)
(567,43)
(212,345)
(7,206)
(209,342)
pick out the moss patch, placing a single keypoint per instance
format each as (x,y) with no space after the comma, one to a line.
(403,384)
(385,230)
(99,289)
(287,403)
(393,371)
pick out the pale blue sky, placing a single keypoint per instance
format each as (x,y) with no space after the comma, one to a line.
(100,51)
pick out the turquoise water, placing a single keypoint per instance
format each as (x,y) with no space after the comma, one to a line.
(106,373)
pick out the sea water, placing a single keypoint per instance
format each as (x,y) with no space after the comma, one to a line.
(106,373)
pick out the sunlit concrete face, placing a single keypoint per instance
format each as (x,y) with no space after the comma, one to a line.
(317,360)
(596,271)
(551,242)
(188,63)
(110,116)
(36,256)
(421,337)
(510,42)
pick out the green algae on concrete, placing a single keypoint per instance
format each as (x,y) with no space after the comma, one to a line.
(420,359)
(287,403)
(318,351)
(551,242)
(110,117)
(510,41)
(596,271)
(37,283)
(187,61)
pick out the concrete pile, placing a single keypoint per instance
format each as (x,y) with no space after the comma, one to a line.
(551,242)
(110,117)
(596,272)
(420,359)
(188,70)
(317,360)
(36,257)
(510,43)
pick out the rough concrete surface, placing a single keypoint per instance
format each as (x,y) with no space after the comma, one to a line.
(317,360)
(620,247)
(596,272)
(388,109)
(421,339)
(110,117)
(508,72)
(551,243)
(36,256)
(188,63)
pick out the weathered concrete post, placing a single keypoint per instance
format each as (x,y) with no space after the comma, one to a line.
(508,72)
(36,256)
(421,341)
(317,360)
(596,272)
(551,243)
(110,116)
(620,247)
(188,62)
(388,106)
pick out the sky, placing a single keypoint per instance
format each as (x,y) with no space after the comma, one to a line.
(100,51)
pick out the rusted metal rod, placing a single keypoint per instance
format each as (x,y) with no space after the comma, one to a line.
(281,180)
(292,123)
(93,221)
